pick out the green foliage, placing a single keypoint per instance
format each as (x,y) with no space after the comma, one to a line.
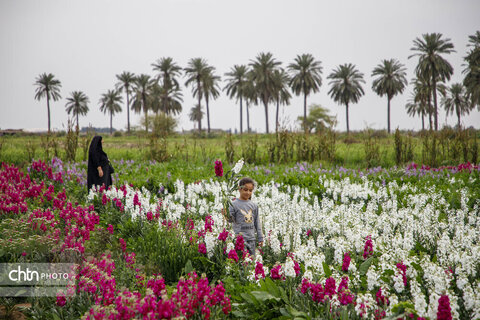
(229,148)
(71,143)
(372,149)
(318,118)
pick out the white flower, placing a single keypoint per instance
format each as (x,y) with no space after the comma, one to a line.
(238,166)
(289,268)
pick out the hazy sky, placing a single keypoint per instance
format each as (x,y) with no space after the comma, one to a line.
(86,43)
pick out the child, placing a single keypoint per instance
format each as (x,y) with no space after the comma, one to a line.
(245,217)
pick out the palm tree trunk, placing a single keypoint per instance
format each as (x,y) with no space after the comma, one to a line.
(77,121)
(423,123)
(248,119)
(430,112)
(208,114)
(111,117)
(48,108)
(458,116)
(276,116)
(241,120)
(145,109)
(348,128)
(265,103)
(128,111)
(388,115)
(435,103)
(305,113)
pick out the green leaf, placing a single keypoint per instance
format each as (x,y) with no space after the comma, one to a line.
(188,267)
(327,270)
(365,266)
(272,287)
(263,296)
(250,299)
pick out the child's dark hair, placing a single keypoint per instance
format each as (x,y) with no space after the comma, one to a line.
(245,181)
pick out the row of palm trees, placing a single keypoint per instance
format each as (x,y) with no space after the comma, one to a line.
(264,81)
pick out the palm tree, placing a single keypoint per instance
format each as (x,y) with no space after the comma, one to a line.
(391,80)
(77,104)
(49,87)
(210,89)
(143,86)
(195,71)
(456,101)
(263,72)
(168,71)
(415,107)
(282,95)
(236,86)
(126,80)
(431,64)
(472,72)
(110,102)
(346,86)
(196,115)
(166,99)
(306,77)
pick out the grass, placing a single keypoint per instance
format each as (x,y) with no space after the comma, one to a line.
(349,149)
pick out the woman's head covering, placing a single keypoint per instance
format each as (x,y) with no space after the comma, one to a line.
(96,144)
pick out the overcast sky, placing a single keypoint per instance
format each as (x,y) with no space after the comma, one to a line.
(86,43)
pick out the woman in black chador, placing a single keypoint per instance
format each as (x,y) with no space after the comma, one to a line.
(99,171)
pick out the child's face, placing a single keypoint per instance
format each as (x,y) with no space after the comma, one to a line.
(246,191)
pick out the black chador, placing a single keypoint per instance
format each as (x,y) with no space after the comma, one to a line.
(97,159)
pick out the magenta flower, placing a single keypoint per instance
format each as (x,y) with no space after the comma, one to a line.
(223,235)
(381,299)
(276,273)
(346,262)
(444,311)
(259,273)
(240,243)
(61,300)
(368,249)
(218,168)
(123,244)
(233,255)
(202,248)
(403,271)
(110,229)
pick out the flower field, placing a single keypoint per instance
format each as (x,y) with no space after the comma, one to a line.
(339,243)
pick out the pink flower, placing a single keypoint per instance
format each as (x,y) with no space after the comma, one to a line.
(149,216)
(444,311)
(209,224)
(123,244)
(110,229)
(218,168)
(259,272)
(305,287)
(202,248)
(403,271)
(381,299)
(276,273)
(240,243)
(61,300)
(223,235)
(233,255)
(346,262)
(368,249)
(330,287)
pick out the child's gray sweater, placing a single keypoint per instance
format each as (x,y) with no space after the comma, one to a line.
(244,215)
